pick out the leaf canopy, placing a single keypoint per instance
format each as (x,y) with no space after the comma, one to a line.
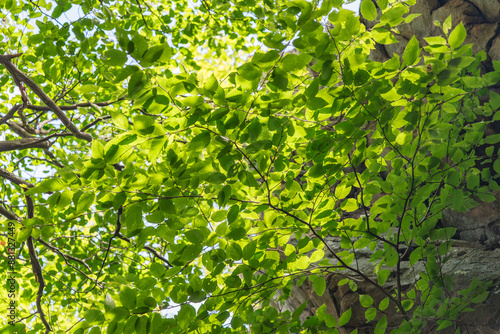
(203,159)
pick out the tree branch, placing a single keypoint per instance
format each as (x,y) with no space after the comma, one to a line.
(20,78)
(35,263)
(24,143)
(64,255)
(37,270)
(14,178)
(9,214)
(9,114)
(73,106)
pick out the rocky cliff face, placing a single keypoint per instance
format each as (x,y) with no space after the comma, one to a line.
(467,260)
(481,18)
(476,250)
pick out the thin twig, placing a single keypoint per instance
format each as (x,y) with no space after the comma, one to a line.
(115,234)
(64,255)
(149,249)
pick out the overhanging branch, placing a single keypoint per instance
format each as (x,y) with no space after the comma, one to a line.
(73,106)
(24,143)
(20,78)
(9,114)
(14,178)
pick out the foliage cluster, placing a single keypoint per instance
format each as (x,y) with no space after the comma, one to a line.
(210,167)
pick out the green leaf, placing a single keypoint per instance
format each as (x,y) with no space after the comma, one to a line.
(365,300)
(480,297)
(132,219)
(302,263)
(249,250)
(136,83)
(312,90)
(381,326)
(370,314)
(493,139)
(215,159)
(119,120)
(383,275)
(144,124)
(319,285)
(115,58)
(94,316)
(84,201)
(195,236)
(191,252)
(361,243)
(327,70)
(232,214)
(234,251)
(415,256)
(341,191)
(316,103)
(292,62)
(60,9)
(457,36)
(153,54)
(97,149)
(265,57)
(435,40)
(219,216)
(345,317)
(407,304)
(368,10)
(317,255)
(394,15)
(250,71)
(167,206)
(192,101)
(233,281)
(411,52)
(200,142)
(444,324)
(185,316)
(128,297)
(391,255)
(279,81)
(23,235)
(211,84)
(299,310)
(384,304)
(317,171)
(383,36)
(382,4)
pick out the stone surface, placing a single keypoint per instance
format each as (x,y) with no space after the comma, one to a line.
(460,11)
(481,19)
(494,51)
(464,265)
(490,9)
(396,48)
(479,225)
(420,26)
(480,35)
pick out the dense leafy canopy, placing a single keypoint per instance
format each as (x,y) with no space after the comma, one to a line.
(184,164)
